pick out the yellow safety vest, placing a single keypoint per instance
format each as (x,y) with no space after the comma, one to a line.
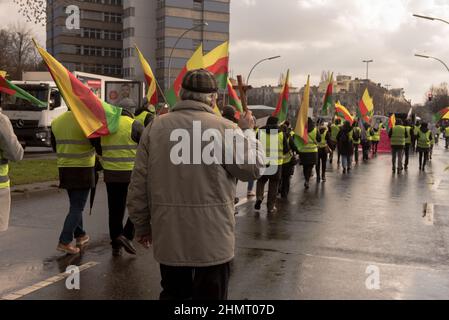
(398,136)
(311,146)
(424,139)
(119,150)
(275,153)
(408,140)
(142,117)
(375,136)
(73,149)
(4,170)
(323,142)
(334,132)
(359,140)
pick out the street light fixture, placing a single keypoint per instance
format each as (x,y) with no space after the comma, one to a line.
(430,57)
(367,67)
(254,67)
(175,45)
(430,18)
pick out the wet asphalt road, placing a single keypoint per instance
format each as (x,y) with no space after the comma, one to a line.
(318,246)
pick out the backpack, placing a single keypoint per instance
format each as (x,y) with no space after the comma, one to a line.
(356,135)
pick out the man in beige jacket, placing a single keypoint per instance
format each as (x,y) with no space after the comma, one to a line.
(185,210)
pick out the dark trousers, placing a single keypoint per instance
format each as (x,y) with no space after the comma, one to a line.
(407,155)
(366,147)
(307,170)
(397,154)
(447,143)
(322,163)
(273,188)
(375,146)
(117,193)
(73,224)
(423,156)
(186,283)
(356,153)
(288,169)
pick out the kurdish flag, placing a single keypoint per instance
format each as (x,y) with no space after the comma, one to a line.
(442,114)
(366,107)
(150,79)
(281,111)
(195,62)
(95,117)
(234,100)
(301,129)
(328,98)
(217,62)
(391,122)
(13,90)
(342,112)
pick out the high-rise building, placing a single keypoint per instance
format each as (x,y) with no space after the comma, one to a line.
(161,29)
(97,46)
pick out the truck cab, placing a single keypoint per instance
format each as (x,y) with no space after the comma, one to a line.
(32,123)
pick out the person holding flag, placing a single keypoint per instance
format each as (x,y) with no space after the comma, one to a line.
(398,136)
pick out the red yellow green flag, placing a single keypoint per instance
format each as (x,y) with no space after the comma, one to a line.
(217,62)
(391,122)
(301,129)
(234,100)
(281,111)
(195,62)
(442,114)
(366,107)
(149,78)
(328,98)
(95,117)
(344,113)
(11,89)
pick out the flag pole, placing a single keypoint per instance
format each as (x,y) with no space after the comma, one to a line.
(242,93)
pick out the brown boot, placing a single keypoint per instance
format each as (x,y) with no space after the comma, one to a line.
(82,241)
(68,249)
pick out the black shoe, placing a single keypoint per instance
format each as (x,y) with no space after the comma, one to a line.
(236,200)
(116,252)
(318,179)
(344,171)
(306,185)
(323,179)
(258,205)
(127,245)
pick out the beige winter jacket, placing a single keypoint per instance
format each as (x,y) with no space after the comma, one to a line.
(188,209)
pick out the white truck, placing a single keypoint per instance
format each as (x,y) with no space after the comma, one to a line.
(31,123)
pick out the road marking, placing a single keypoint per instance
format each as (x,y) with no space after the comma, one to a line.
(43,284)
(429,214)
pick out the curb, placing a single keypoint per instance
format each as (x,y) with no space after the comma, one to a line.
(29,189)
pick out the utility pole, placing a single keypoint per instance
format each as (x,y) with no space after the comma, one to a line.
(367,67)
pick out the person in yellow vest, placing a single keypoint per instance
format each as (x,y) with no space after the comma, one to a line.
(145,115)
(76,162)
(345,146)
(308,153)
(366,141)
(375,138)
(398,137)
(424,140)
(10,150)
(288,164)
(356,139)
(323,151)
(408,143)
(274,158)
(334,130)
(416,128)
(118,153)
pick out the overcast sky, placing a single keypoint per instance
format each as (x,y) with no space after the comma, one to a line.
(336,35)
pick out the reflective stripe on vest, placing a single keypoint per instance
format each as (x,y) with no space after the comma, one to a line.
(375,136)
(424,140)
(4,170)
(73,149)
(398,136)
(323,142)
(311,146)
(334,132)
(119,150)
(274,153)
(142,117)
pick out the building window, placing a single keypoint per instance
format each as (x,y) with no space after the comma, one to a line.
(160,4)
(161,43)
(112,17)
(130,12)
(129,32)
(160,23)
(160,63)
(198,4)
(129,52)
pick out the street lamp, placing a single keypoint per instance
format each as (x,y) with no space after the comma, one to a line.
(429,57)
(367,67)
(176,43)
(254,67)
(430,18)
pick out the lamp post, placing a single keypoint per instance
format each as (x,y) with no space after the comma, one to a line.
(367,67)
(175,45)
(430,57)
(430,18)
(254,67)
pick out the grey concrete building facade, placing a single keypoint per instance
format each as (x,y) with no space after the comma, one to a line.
(97,46)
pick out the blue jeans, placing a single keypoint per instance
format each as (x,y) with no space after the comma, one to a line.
(346,162)
(73,225)
(250,185)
